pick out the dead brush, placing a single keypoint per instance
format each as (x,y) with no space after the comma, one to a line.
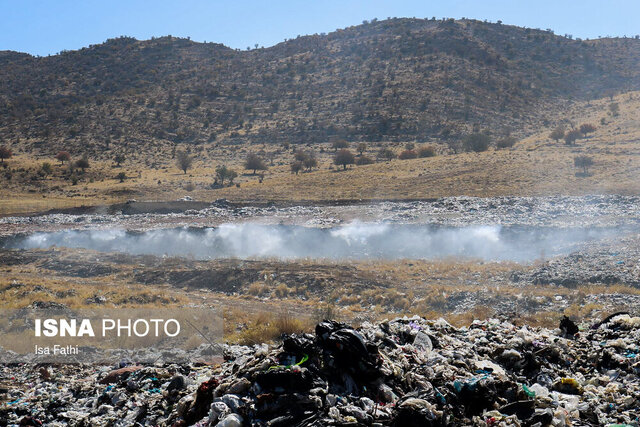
(269,327)
(479,312)
(282,290)
(258,289)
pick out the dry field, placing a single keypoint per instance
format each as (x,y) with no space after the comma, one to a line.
(262,299)
(536,165)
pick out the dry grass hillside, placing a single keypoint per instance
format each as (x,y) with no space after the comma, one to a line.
(392,80)
(536,165)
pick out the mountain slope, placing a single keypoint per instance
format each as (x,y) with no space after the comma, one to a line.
(399,79)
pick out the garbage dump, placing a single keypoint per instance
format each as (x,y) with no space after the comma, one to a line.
(402,372)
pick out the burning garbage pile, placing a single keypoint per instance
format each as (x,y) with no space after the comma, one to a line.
(403,372)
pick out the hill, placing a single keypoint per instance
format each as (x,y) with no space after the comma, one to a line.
(392,80)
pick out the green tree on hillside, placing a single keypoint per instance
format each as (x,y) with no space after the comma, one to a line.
(5,153)
(583,162)
(63,156)
(183,160)
(83,163)
(572,136)
(254,163)
(557,134)
(343,158)
(224,173)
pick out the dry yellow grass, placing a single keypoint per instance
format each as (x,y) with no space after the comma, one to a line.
(374,291)
(535,166)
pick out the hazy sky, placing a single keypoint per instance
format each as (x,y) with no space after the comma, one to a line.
(48,26)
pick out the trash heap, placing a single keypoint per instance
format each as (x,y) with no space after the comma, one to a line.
(403,372)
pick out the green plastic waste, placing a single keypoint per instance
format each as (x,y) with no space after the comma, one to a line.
(528,391)
(304,359)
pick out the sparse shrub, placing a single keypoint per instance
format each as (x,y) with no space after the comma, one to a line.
(614,109)
(386,153)
(258,289)
(572,136)
(349,299)
(557,134)
(362,147)
(364,160)
(587,128)
(427,151)
(119,158)
(254,163)
(299,155)
(266,327)
(343,158)
(310,162)
(339,144)
(83,163)
(410,146)
(307,159)
(476,142)
(296,166)
(327,311)
(46,168)
(281,290)
(5,153)
(183,160)
(63,156)
(224,173)
(506,142)
(121,176)
(583,162)
(408,154)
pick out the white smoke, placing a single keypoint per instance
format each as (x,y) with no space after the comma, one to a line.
(352,241)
